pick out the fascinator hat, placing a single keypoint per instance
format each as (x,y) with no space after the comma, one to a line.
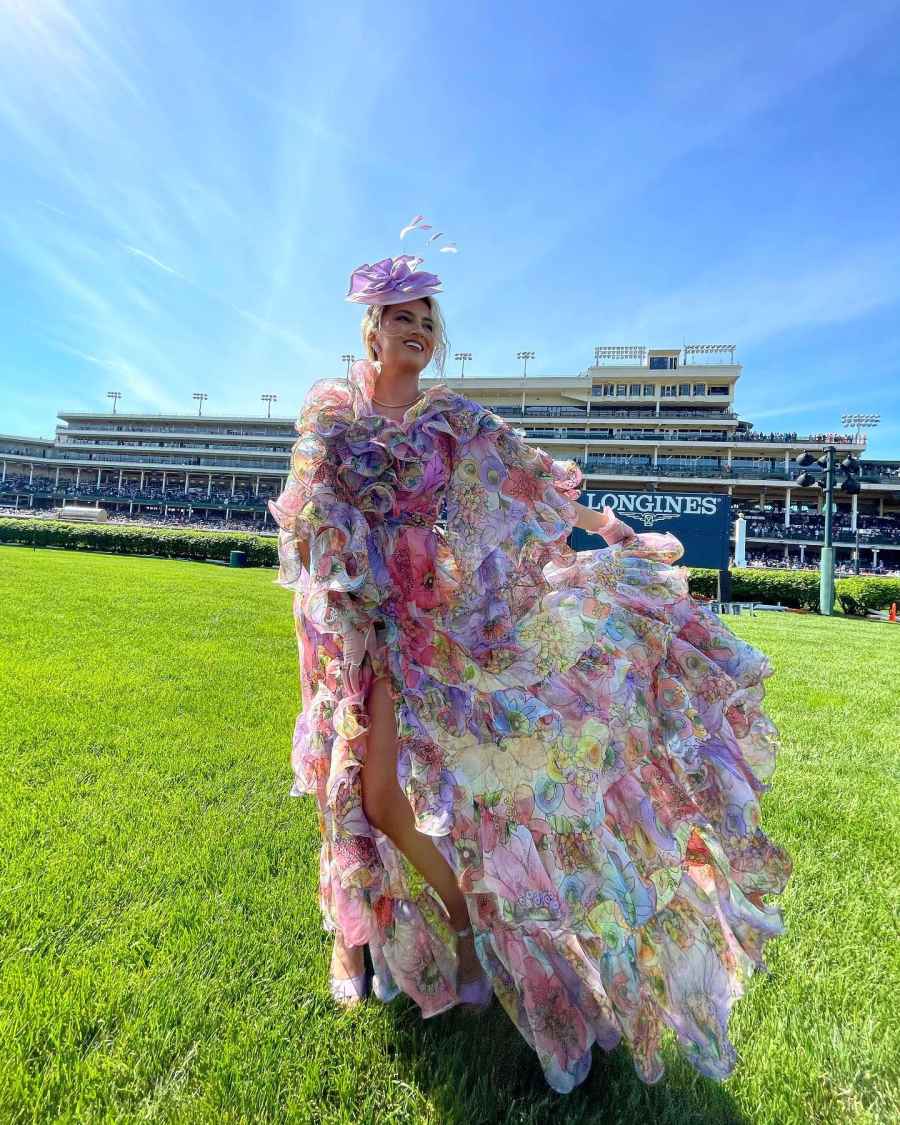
(395,280)
(391,282)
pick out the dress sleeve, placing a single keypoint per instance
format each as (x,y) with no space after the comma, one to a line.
(567,478)
(504,492)
(339,594)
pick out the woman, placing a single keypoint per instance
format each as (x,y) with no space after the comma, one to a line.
(537,771)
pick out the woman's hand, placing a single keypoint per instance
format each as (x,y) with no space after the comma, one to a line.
(604,523)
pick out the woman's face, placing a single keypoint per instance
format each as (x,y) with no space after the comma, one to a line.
(405,340)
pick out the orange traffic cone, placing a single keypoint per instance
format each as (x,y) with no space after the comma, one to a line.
(892,616)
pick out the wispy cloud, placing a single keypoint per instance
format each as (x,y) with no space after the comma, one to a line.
(142,386)
(149,258)
(189,187)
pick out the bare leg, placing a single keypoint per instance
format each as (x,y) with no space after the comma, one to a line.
(387,808)
(346,960)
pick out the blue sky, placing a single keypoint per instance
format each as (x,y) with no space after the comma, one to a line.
(186,187)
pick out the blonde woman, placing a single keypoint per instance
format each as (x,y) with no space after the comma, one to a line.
(537,771)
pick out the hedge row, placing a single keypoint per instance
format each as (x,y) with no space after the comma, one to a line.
(796,589)
(170,543)
(799,589)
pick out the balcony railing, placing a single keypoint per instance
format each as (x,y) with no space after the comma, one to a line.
(734,473)
(606,412)
(150,432)
(161,461)
(106,494)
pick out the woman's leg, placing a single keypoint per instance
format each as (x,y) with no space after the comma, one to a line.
(388,810)
(346,960)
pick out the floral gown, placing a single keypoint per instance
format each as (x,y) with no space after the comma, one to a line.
(584,742)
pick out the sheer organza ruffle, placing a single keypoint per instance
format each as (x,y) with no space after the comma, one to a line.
(583,740)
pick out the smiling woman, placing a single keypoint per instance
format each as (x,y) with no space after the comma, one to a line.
(537,771)
(398,321)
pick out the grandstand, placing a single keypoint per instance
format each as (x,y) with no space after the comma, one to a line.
(648,419)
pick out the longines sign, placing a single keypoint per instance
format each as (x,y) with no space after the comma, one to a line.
(702,522)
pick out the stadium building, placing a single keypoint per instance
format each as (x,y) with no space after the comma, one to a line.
(639,419)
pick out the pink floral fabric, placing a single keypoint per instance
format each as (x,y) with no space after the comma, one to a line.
(585,743)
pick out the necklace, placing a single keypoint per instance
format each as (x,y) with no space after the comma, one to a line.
(397,405)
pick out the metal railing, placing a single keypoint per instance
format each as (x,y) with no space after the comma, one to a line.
(98,460)
(606,412)
(734,473)
(887,537)
(248,431)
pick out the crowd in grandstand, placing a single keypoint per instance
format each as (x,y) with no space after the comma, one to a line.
(787,436)
(871,529)
(772,560)
(132,491)
(157,519)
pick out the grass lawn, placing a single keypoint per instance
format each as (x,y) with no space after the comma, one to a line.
(161,957)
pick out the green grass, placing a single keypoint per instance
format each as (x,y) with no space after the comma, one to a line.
(161,956)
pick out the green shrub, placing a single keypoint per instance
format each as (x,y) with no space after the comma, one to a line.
(860,596)
(796,589)
(703,583)
(170,543)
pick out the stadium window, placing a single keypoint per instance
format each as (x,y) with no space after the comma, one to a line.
(649,390)
(669,390)
(699,388)
(663,362)
(684,389)
(718,390)
(621,390)
(634,391)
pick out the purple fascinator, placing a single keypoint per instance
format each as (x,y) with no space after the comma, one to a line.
(391,282)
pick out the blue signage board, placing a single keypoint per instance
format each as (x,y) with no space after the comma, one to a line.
(701,521)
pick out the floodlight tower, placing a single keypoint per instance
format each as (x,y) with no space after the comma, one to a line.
(462,357)
(524,356)
(860,422)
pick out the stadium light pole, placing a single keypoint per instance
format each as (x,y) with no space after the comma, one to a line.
(860,422)
(200,397)
(115,396)
(348,359)
(462,357)
(268,400)
(524,356)
(850,484)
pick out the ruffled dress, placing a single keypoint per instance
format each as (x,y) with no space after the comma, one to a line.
(585,743)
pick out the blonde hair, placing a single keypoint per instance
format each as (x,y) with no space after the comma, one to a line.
(371,322)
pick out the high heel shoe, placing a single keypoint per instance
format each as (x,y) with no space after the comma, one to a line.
(475,994)
(348,991)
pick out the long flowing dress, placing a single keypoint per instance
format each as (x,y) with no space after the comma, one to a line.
(584,742)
